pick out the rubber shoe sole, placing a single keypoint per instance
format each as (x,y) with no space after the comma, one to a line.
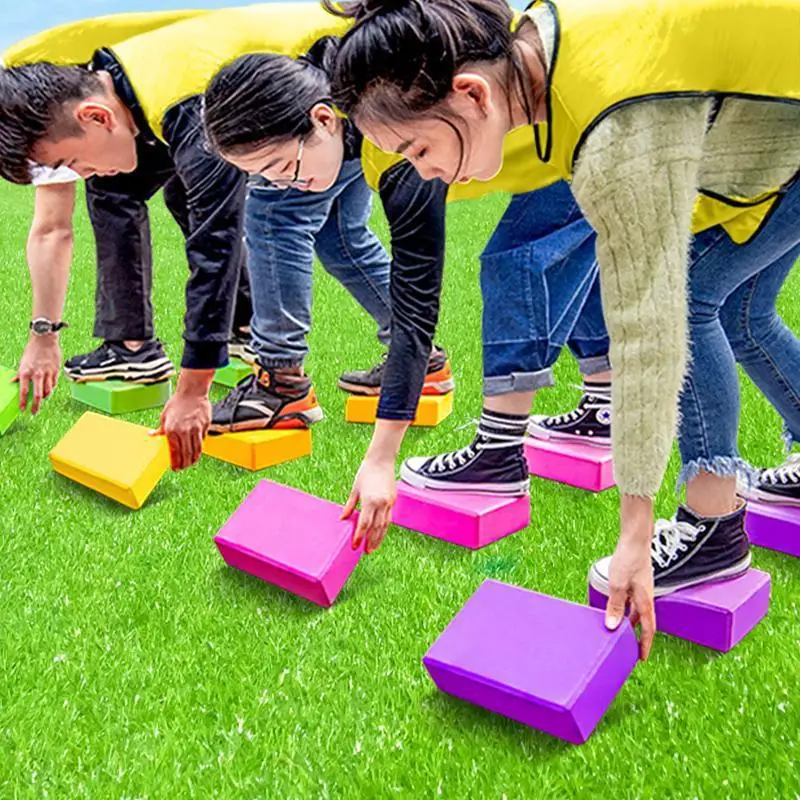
(599,582)
(508,489)
(768,498)
(296,420)
(131,373)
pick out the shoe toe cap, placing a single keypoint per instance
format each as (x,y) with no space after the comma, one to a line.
(600,569)
(414,464)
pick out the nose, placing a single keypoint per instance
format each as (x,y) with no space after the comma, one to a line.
(427,172)
(84,172)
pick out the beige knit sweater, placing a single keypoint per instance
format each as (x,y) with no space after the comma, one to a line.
(636,181)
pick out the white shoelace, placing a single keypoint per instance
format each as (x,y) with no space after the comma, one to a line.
(786,473)
(571,416)
(672,538)
(459,458)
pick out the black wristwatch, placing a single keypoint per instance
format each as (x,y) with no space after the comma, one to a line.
(41,326)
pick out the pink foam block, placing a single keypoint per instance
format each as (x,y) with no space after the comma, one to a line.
(469,520)
(582,465)
(539,660)
(291,539)
(716,615)
(774,527)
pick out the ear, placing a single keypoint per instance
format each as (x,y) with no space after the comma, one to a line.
(323,116)
(89,112)
(475,88)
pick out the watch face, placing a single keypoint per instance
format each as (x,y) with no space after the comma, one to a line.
(42,326)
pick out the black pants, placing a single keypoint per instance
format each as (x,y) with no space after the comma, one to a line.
(118,211)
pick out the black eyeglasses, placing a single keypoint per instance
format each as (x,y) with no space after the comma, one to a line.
(295,181)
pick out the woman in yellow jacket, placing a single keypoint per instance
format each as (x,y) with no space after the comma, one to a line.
(645,108)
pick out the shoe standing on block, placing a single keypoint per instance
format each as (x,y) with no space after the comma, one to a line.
(589,423)
(690,550)
(114,361)
(267,399)
(779,485)
(493,463)
(240,346)
(438,380)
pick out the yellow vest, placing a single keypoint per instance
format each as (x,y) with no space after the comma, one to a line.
(610,53)
(75,42)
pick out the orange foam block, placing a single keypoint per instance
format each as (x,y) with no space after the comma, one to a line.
(115,458)
(256,450)
(432,409)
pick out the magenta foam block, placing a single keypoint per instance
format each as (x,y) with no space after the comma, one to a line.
(584,466)
(536,659)
(469,520)
(774,527)
(716,615)
(291,539)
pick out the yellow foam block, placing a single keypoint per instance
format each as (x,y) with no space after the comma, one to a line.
(432,409)
(115,458)
(259,449)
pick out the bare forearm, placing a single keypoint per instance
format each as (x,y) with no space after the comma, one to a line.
(49,259)
(386,439)
(195,382)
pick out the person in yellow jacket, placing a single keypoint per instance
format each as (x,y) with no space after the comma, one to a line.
(116,100)
(645,108)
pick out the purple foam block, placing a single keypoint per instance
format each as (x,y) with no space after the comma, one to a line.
(585,466)
(539,660)
(774,527)
(716,615)
(291,539)
(469,520)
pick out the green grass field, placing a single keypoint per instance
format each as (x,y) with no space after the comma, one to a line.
(134,663)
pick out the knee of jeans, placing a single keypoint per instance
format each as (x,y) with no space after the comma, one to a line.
(746,333)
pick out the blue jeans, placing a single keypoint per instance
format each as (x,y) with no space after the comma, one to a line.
(732,317)
(283,229)
(541,290)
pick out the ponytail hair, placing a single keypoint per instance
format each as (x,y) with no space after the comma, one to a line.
(266,97)
(399,59)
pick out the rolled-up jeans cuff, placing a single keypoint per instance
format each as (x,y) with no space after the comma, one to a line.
(594,365)
(517,382)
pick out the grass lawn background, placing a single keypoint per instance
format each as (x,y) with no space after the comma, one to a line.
(134,663)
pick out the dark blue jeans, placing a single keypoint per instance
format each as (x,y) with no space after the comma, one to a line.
(541,291)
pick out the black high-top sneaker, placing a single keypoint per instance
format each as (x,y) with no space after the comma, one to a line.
(112,360)
(778,485)
(492,464)
(267,399)
(689,550)
(438,379)
(240,346)
(590,422)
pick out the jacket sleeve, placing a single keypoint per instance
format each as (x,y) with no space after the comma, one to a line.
(415,210)
(215,193)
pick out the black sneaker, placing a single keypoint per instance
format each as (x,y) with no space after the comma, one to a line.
(112,360)
(263,401)
(240,346)
(690,550)
(589,423)
(438,379)
(779,485)
(493,463)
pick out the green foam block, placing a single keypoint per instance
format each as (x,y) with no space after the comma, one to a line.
(231,375)
(9,399)
(119,397)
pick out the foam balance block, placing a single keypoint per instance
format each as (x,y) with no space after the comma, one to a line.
(9,399)
(774,527)
(432,409)
(584,466)
(256,450)
(469,520)
(230,375)
(292,540)
(121,397)
(115,458)
(539,660)
(716,615)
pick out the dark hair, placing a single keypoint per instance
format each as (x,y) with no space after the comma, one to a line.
(399,59)
(32,100)
(267,97)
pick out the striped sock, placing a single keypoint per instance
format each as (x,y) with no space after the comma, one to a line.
(503,429)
